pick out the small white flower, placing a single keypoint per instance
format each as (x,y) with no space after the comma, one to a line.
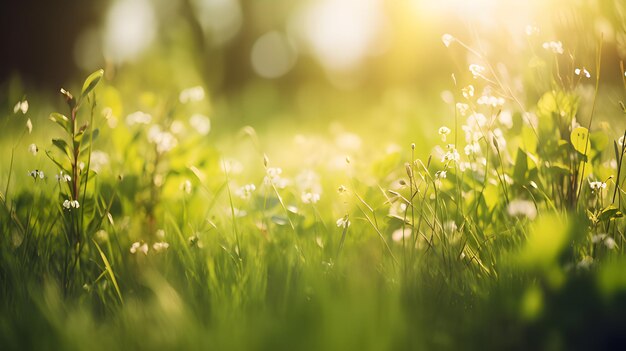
(36,174)
(582,72)
(441,174)
(343,222)
(29,126)
(164,141)
(69,204)
(489,100)
(596,186)
(21,106)
(401,234)
(462,108)
(245,192)
(451,155)
(185,186)
(201,123)
(62,177)
(476,70)
(139,247)
(447,39)
(191,94)
(138,117)
(310,198)
(160,246)
(468,91)
(522,208)
(555,46)
(33,149)
(531,30)
(444,131)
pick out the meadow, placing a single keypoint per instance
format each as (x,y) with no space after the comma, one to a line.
(143,208)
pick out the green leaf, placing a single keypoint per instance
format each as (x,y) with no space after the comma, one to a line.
(609,213)
(521,166)
(62,145)
(109,270)
(580,140)
(91,82)
(62,121)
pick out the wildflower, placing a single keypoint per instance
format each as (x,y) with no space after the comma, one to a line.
(138,117)
(99,159)
(160,246)
(343,222)
(444,131)
(400,234)
(583,72)
(201,123)
(447,39)
(33,149)
(489,100)
(476,70)
(596,186)
(462,108)
(522,208)
(555,46)
(310,198)
(273,178)
(245,192)
(468,91)
(531,30)
(185,186)
(139,247)
(69,204)
(29,126)
(191,94)
(62,177)
(21,106)
(441,174)
(451,155)
(36,174)
(164,141)
(605,239)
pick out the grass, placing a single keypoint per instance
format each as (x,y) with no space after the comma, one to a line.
(508,235)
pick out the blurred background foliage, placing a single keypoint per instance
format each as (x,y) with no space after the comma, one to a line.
(292,62)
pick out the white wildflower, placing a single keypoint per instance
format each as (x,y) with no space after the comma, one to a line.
(401,234)
(462,108)
(69,204)
(62,177)
(582,72)
(555,46)
(522,208)
(138,117)
(185,186)
(99,159)
(596,186)
(21,106)
(310,198)
(476,70)
(444,131)
(343,222)
(164,141)
(33,149)
(139,247)
(201,123)
(36,174)
(191,94)
(451,155)
(245,192)
(447,39)
(160,246)
(490,100)
(29,126)
(468,92)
